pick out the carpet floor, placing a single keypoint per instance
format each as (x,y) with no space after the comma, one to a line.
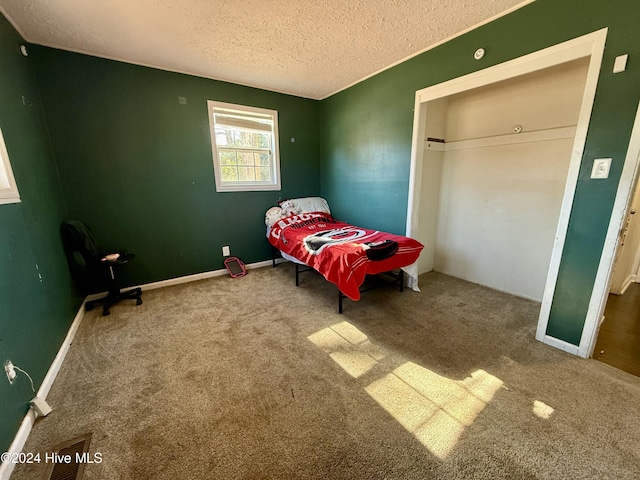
(253,378)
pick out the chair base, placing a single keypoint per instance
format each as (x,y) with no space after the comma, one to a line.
(114,297)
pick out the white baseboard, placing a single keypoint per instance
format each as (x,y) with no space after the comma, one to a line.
(6,469)
(628,281)
(188,278)
(179,280)
(625,284)
(51,375)
(27,423)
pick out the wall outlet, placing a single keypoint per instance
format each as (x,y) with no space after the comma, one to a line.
(225,251)
(10,371)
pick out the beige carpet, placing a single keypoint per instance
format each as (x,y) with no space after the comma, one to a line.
(253,378)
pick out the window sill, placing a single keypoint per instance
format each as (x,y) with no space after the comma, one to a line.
(10,199)
(247,188)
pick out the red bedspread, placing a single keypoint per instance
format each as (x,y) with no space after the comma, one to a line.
(338,250)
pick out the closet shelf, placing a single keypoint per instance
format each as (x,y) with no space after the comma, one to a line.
(509,139)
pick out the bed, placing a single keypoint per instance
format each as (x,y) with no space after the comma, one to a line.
(304,232)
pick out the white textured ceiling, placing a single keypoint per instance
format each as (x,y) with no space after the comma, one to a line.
(309,48)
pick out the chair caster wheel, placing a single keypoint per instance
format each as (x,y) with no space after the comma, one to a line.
(138,301)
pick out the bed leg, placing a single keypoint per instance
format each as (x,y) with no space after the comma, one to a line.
(340,297)
(401,275)
(297,276)
(273,256)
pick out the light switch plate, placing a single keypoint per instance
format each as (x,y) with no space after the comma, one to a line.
(620,64)
(601,168)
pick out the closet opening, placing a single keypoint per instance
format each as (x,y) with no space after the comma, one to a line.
(494,167)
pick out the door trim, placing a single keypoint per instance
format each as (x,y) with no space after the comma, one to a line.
(624,195)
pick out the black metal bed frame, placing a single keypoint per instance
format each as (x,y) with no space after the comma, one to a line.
(301,268)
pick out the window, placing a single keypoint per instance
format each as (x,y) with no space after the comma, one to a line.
(245,147)
(8,188)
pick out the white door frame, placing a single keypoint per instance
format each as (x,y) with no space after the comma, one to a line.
(590,45)
(624,196)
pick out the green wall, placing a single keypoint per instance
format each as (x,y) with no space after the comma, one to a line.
(366,132)
(37,302)
(136,165)
(109,143)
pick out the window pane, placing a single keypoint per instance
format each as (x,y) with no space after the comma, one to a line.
(221,137)
(246,174)
(228,157)
(263,159)
(229,174)
(263,174)
(262,140)
(241,138)
(245,158)
(234,137)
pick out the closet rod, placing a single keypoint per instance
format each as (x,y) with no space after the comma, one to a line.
(497,140)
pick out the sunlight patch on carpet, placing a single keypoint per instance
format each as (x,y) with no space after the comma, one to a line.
(434,408)
(542,410)
(348,347)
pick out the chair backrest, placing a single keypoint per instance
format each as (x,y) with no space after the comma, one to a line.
(83,256)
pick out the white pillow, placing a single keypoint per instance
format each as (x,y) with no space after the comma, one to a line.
(273,215)
(305,205)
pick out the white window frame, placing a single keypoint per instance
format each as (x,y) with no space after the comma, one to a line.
(245,186)
(8,188)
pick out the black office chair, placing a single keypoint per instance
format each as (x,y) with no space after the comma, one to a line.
(92,271)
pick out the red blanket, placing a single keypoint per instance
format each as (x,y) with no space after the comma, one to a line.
(339,251)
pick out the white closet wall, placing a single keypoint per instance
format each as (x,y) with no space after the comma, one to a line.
(430,184)
(496,201)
